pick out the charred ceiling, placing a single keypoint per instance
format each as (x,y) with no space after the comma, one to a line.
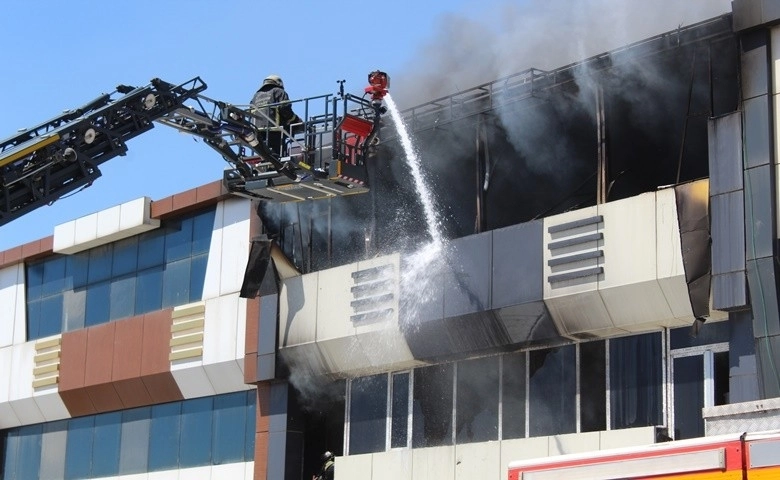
(532,145)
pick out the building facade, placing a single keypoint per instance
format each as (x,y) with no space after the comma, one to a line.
(171,339)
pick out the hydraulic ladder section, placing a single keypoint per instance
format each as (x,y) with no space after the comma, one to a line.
(324,156)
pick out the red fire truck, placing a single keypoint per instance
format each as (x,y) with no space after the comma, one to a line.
(747,456)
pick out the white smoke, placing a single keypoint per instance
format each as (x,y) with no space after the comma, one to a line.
(544,34)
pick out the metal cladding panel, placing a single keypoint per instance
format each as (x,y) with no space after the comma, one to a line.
(12,300)
(8,418)
(758,130)
(21,389)
(298,310)
(693,215)
(359,466)
(517,264)
(529,324)
(433,462)
(333,302)
(582,313)
(566,238)
(763,295)
(467,281)
(478,460)
(751,13)
(422,290)
(755,73)
(213,277)
(727,228)
(774,48)
(220,331)
(266,325)
(767,352)
(729,290)
(759,214)
(235,244)
(393,465)
(670,270)
(639,307)
(725,153)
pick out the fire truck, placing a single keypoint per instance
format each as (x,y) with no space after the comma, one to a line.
(324,155)
(747,456)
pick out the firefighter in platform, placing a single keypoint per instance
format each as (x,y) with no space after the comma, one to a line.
(271,104)
(328,465)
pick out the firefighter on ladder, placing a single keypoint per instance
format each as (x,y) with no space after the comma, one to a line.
(272,106)
(328,466)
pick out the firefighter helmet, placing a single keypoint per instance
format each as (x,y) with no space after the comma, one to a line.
(273,80)
(327,456)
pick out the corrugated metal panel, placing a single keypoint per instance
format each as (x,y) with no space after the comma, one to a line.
(725,153)
(729,291)
(759,213)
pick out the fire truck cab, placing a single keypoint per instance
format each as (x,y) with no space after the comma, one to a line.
(739,456)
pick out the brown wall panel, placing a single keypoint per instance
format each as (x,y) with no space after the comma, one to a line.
(252,321)
(73,361)
(128,344)
(250,368)
(263,407)
(132,392)
(156,343)
(100,353)
(184,199)
(162,387)
(104,397)
(261,455)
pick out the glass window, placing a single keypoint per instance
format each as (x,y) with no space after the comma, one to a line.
(134,453)
(178,240)
(552,391)
(202,228)
(122,297)
(78,450)
(148,290)
(125,257)
(635,372)
(593,387)
(151,249)
(197,277)
(164,436)
(476,405)
(53,442)
(367,414)
(29,456)
(709,333)
(53,276)
(196,416)
(77,270)
(34,280)
(400,411)
(10,453)
(105,449)
(249,436)
(51,316)
(176,283)
(98,304)
(33,319)
(229,421)
(513,396)
(74,308)
(99,264)
(432,406)
(688,397)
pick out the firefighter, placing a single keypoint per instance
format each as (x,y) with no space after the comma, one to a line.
(281,114)
(328,465)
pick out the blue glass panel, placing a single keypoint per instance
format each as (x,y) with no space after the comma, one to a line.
(74,308)
(53,444)
(105,451)
(77,270)
(122,297)
(249,440)
(97,304)
(178,240)
(51,316)
(99,264)
(197,277)
(134,453)
(635,373)
(552,391)
(151,249)
(10,454)
(176,283)
(53,276)
(400,411)
(125,257)
(29,452)
(148,290)
(33,319)
(195,432)
(229,428)
(202,228)
(164,437)
(78,452)
(710,332)
(368,414)
(34,280)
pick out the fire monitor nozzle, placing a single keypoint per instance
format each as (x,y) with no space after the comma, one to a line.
(378,83)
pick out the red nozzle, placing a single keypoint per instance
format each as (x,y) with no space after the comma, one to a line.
(378,83)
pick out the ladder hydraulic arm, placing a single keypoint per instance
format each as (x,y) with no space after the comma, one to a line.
(326,156)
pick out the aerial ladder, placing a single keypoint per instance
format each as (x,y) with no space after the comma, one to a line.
(325,154)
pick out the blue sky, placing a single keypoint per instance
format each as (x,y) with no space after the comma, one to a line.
(58,56)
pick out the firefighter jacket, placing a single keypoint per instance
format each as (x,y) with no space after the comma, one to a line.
(281,115)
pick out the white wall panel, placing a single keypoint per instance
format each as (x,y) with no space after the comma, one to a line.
(392,465)
(669,264)
(628,437)
(50,404)
(192,379)
(478,460)
(775,49)
(134,476)
(211,283)
(13,305)
(85,232)
(219,331)
(343,354)
(584,312)
(108,221)
(21,391)
(197,473)
(629,241)
(249,469)
(333,302)
(522,449)
(298,310)
(638,306)
(435,463)
(573,443)
(8,416)
(354,467)
(228,470)
(164,475)
(235,244)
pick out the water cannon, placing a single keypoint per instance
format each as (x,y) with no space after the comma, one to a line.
(378,83)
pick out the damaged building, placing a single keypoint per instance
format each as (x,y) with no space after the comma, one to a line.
(600,273)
